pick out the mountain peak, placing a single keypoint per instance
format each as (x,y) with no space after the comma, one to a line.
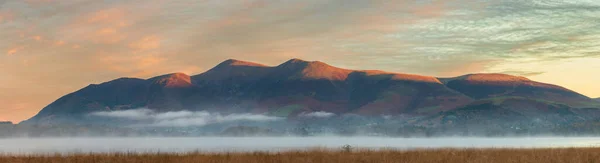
(235,62)
(493,77)
(301,69)
(233,69)
(173,80)
(293,63)
(400,76)
(297,60)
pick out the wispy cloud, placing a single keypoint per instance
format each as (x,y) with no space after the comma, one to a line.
(182,118)
(319,114)
(523,73)
(146,43)
(14,50)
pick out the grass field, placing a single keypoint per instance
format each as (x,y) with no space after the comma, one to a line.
(567,155)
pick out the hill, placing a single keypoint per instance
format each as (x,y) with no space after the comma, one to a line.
(297,87)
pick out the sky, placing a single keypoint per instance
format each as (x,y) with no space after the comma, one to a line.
(49,48)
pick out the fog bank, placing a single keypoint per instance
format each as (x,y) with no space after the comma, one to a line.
(147,117)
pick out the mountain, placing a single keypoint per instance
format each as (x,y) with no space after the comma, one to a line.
(297,86)
(597,99)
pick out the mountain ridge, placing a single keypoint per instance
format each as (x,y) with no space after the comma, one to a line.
(299,86)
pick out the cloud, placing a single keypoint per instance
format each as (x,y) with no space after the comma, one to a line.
(6,16)
(111,39)
(143,65)
(14,50)
(103,26)
(523,73)
(146,43)
(59,43)
(138,114)
(182,118)
(319,114)
(517,30)
(37,38)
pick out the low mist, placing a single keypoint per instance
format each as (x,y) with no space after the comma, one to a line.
(147,117)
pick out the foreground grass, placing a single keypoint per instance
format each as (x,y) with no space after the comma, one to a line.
(571,155)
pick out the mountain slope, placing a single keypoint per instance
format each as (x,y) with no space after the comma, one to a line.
(299,86)
(509,115)
(123,93)
(482,86)
(507,109)
(382,93)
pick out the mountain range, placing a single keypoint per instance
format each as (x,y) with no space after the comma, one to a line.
(297,87)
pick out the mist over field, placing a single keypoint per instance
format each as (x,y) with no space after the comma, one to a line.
(271,144)
(182,118)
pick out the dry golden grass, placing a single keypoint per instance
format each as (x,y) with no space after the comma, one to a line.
(572,155)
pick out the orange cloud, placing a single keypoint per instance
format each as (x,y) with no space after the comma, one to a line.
(109,35)
(14,50)
(103,26)
(131,65)
(59,43)
(111,16)
(467,67)
(146,43)
(37,38)
(148,61)
(239,17)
